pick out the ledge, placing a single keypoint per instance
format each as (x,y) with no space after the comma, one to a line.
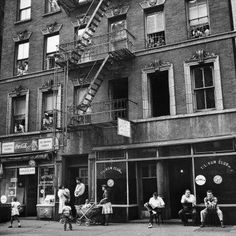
(22,21)
(51,13)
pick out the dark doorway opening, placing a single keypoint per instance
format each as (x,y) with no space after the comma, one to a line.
(160,97)
(180,179)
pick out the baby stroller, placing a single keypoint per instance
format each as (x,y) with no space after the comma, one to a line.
(90,215)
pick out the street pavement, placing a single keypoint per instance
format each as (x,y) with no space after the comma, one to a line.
(52,228)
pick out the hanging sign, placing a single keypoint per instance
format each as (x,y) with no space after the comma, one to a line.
(124,127)
(45,144)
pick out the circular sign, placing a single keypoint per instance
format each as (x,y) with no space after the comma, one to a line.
(42,191)
(3,199)
(217,179)
(110,183)
(32,163)
(200,180)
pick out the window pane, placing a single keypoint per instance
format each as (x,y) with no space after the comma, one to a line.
(202,10)
(210,98)
(52,6)
(198,77)
(49,101)
(208,76)
(19,106)
(25,3)
(200,99)
(119,25)
(23,51)
(25,14)
(155,23)
(193,12)
(52,43)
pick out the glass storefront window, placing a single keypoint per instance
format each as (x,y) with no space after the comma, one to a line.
(177,150)
(142,153)
(114,176)
(132,184)
(217,174)
(45,187)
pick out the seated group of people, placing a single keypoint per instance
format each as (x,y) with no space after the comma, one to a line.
(188,202)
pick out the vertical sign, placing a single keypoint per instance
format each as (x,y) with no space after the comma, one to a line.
(124,127)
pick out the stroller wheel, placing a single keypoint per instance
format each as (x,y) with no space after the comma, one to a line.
(87,223)
(78,222)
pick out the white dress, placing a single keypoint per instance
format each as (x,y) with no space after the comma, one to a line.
(62,199)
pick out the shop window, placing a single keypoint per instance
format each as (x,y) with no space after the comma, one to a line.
(198,18)
(142,153)
(114,175)
(52,42)
(217,174)
(19,114)
(45,187)
(178,150)
(155,29)
(83,175)
(132,183)
(22,58)
(204,89)
(214,147)
(51,6)
(24,10)
(115,154)
(149,171)
(159,94)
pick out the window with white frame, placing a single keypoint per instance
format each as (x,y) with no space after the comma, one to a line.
(19,114)
(155,29)
(22,58)
(198,18)
(24,10)
(51,6)
(203,86)
(52,42)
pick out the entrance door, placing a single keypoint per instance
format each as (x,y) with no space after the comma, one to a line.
(180,178)
(149,180)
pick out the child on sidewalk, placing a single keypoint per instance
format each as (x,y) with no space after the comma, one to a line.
(67,217)
(15,207)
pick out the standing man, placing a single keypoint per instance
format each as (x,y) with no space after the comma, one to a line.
(188,201)
(154,207)
(211,205)
(79,192)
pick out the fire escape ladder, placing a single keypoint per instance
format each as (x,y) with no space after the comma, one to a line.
(95,16)
(95,84)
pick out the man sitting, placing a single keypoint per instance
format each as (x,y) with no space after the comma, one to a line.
(211,205)
(188,201)
(154,206)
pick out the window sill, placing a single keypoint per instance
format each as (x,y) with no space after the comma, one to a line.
(51,13)
(22,21)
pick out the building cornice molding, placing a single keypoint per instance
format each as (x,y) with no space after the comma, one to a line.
(118,10)
(22,36)
(151,3)
(51,28)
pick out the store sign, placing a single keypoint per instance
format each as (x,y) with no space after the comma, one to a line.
(27,171)
(110,168)
(200,180)
(124,127)
(45,144)
(26,146)
(217,179)
(215,162)
(8,148)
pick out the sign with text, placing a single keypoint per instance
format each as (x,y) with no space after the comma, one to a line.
(26,146)
(27,171)
(8,147)
(124,127)
(45,144)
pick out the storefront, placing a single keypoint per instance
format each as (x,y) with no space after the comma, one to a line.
(28,173)
(133,174)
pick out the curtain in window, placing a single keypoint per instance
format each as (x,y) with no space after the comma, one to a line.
(23,51)
(50,101)
(198,12)
(19,106)
(52,43)
(155,23)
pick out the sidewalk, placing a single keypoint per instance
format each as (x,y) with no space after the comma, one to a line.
(46,228)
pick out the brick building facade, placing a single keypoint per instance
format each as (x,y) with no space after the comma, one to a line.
(167,66)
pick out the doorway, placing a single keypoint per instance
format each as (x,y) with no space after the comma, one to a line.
(159,94)
(180,179)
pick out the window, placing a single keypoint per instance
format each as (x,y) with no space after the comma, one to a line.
(51,48)
(52,6)
(24,10)
(198,18)
(22,58)
(155,29)
(204,90)
(19,114)
(117,29)
(83,175)
(50,111)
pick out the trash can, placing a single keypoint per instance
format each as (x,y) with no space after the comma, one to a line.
(5,212)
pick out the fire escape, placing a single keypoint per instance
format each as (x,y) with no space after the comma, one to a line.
(95,56)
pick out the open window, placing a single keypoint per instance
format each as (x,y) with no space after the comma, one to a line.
(22,58)
(52,41)
(51,6)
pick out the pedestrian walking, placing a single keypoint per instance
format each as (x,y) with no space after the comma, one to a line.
(15,212)
(106,205)
(67,216)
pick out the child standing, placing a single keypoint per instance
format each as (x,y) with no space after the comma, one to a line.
(15,207)
(66,214)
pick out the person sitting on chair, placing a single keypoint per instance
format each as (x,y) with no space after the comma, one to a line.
(154,207)
(211,205)
(188,201)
